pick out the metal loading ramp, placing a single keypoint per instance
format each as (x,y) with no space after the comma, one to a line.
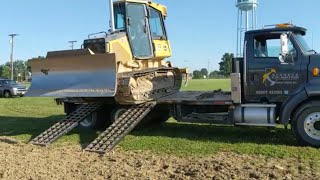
(119,129)
(65,125)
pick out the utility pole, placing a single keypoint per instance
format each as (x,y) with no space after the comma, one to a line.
(11,55)
(72,44)
(209,66)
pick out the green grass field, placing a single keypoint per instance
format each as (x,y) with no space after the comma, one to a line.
(24,118)
(207,85)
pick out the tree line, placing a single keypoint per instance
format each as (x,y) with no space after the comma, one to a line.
(225,69)
(21,72)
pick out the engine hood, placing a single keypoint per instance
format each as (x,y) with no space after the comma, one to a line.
(313,82)
(314,61)
(20,86)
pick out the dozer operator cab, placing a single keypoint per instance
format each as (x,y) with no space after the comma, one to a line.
(275,63)
(143,25)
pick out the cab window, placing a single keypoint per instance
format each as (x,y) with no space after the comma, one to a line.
(119,16)
(270,47)
(156,25)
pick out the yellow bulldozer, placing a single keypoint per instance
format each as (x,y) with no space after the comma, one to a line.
(127,63)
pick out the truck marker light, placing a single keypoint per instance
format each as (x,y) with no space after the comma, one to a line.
(315,72)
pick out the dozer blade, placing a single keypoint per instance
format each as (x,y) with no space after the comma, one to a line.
(73,75)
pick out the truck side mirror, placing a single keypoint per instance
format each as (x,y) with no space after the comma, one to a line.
(284,44)
(284,47)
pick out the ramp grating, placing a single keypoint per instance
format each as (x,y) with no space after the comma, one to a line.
(65,125)
(119,129)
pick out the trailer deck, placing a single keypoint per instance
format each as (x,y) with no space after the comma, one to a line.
(198,98)
(217,97)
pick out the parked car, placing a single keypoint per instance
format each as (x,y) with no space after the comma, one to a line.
(10,88)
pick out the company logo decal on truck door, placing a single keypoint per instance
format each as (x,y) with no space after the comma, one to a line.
(266,78)
(271,77)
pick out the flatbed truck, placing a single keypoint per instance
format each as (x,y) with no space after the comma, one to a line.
(122,78)
(277,81)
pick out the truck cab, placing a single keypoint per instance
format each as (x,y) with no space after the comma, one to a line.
(275,64)
(278,67)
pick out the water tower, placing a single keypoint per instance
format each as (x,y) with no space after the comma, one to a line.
(247,20)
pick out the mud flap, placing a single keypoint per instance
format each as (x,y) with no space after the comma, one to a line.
(74,76)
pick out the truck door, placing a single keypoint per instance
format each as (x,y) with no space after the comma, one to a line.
(271,76)
(138,31)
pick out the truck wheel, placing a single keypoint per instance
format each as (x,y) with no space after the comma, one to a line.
(7,94)
(158,115)
(90,122)
(306,125)
(118,112)
(97,120)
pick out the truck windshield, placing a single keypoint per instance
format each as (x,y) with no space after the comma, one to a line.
(303,43)
(119,16)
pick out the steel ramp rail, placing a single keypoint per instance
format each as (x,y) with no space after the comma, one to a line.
(119,129)
(65,125)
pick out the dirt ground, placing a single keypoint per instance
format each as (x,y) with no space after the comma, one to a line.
(22,161)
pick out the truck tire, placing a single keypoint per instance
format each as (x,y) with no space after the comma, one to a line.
(6,94)
(97,120)
(159,114)
(117,112)
(90,122)
(306,125)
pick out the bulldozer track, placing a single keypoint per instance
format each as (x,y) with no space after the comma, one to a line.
(119,129)
(126,94)
(65,125)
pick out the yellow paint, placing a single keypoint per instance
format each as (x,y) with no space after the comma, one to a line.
(159,7)
(162,48)
(267,74)
(121,47)
(184,70)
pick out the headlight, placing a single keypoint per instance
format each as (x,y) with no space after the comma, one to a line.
(15,89)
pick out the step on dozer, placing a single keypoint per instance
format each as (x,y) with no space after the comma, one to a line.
(74,73)
(119,129)
(66,125)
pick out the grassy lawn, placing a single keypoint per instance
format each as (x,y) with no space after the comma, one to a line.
(207,85)
(24,118)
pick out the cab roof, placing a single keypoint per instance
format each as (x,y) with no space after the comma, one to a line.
(159,7)
(295,29)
